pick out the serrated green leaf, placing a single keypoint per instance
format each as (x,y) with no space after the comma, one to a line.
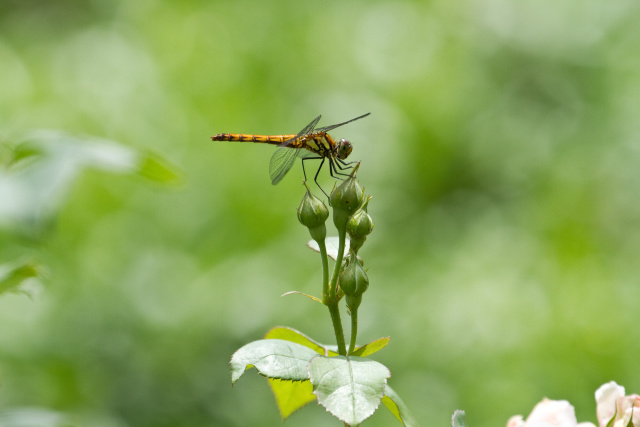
(273,358)
(290,334)
(12,275)
(291,395)
(458,419)
(397,407)
(349,387)
(372,347)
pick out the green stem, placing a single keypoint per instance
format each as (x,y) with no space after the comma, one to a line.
(325,271)
(334,310)
(354,330)
(342,235)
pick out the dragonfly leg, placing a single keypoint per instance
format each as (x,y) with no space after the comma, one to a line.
(346,164)
(315,178)
(310,158)
(335,167)
(342,169)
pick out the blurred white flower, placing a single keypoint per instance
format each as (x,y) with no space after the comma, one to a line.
(549,413)
(612,402)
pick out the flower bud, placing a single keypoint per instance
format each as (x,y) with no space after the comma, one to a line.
(359,227)
(313,213)
(346,199)
(354,280)
(348,195)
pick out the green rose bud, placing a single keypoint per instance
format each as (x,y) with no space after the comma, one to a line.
(346,199)
(349,194)
(359,227)
(354,280)
(313,213)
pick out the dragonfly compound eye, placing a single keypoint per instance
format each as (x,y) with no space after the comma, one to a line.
(344,149)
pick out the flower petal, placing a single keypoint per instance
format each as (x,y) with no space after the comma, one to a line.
(606,398)
(557,413)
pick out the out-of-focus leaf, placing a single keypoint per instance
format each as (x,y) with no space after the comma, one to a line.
(12,275)
(291,395)
(397,407)
(350,388)
(154,168)
(32,417)
(290,334)
(20,153)
(274,358)
(332,246)
(46,165)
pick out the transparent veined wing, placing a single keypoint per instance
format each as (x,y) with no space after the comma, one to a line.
(305,131)
(284,157)
(281,162)
(328,128)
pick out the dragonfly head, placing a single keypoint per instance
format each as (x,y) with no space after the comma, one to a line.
(343,149)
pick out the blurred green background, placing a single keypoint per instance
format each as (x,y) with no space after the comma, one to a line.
(503,158)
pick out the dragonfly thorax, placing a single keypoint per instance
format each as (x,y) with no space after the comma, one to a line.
(343,149)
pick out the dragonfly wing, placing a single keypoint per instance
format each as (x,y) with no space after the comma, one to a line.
(307,130)
(285,155)
(281,162)
(328,128)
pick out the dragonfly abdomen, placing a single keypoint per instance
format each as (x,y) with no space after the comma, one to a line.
(245,137)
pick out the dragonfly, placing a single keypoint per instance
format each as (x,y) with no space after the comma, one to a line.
(308,144)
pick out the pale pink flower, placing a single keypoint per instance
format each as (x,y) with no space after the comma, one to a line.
(549,413)
(612,402)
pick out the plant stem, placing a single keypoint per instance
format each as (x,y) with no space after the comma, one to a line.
(325,271)
(334,310)
(354,330)
(342,235)
(331,301)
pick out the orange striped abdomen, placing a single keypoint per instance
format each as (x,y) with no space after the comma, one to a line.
(245,137)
